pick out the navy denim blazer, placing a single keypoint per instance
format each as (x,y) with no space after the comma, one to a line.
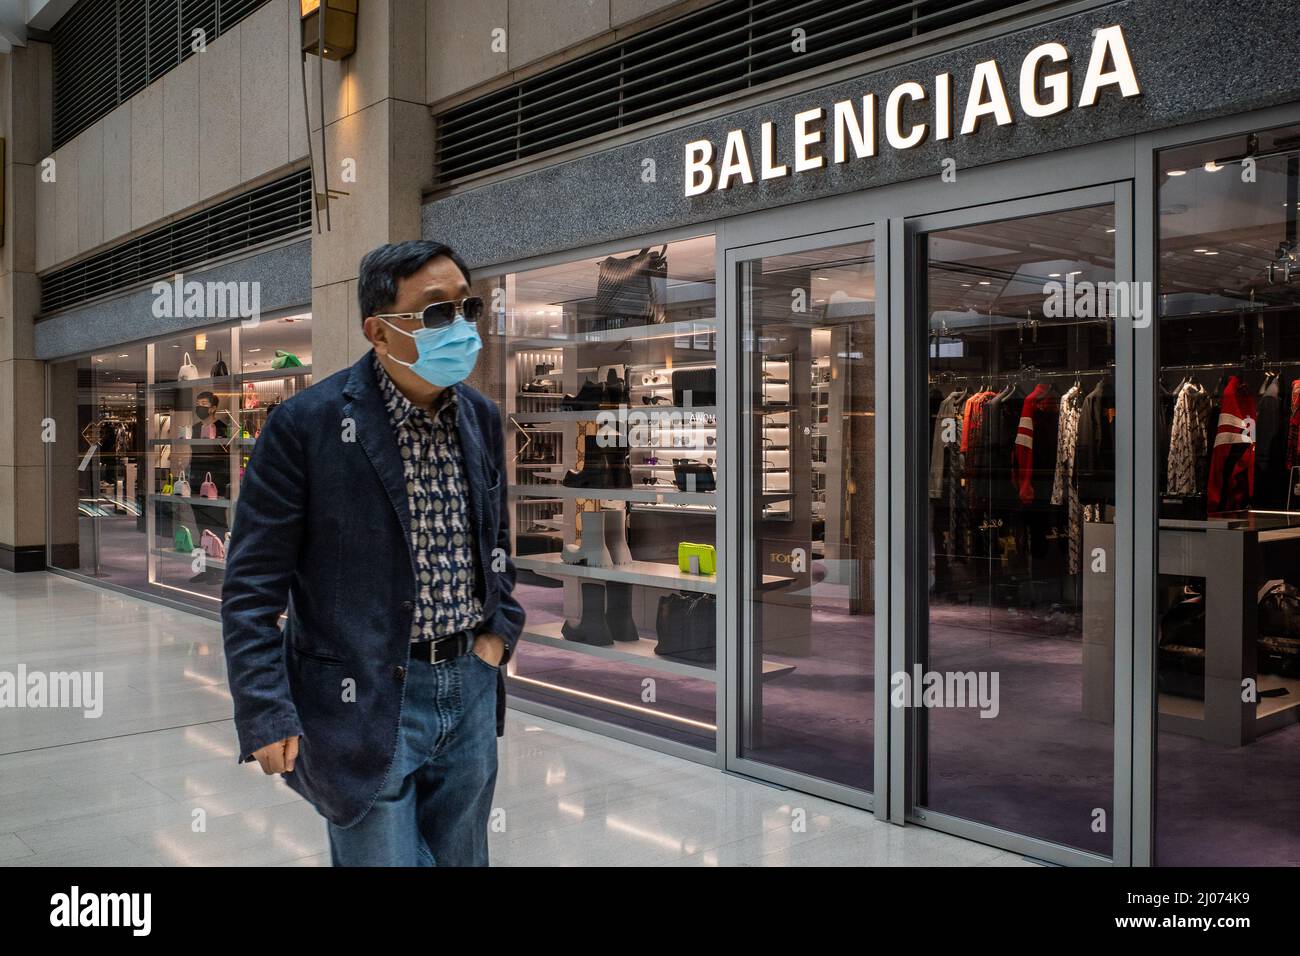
(321,533)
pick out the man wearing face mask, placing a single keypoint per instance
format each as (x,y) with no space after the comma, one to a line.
(373,515)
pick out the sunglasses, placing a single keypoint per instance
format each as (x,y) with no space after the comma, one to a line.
(439,315)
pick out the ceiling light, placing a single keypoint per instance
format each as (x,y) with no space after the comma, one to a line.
(1211,252)
(1053,275)
(984,282)
(1212,167)
(1175,172)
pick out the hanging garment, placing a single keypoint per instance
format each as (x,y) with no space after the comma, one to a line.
(1293,430)
(1270,447)
(1187,441)
(1033,462)
(1065,489)
(1232,462)
(1095,457)
(942,452)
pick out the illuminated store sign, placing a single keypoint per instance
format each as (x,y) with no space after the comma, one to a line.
(1044,90)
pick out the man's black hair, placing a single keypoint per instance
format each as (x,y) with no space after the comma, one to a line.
(209,396)
(383,267)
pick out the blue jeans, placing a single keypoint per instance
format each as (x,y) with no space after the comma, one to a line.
(434,806)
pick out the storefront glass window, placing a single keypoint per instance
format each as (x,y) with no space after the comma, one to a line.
(606,370)
(1228,456)
(145,495)
(1020,442)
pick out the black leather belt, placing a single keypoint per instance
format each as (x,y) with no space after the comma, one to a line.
(443,649)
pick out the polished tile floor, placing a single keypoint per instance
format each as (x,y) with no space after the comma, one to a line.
(153,781)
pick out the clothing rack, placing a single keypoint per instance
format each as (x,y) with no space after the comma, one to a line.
(1023,373)
(1250,364)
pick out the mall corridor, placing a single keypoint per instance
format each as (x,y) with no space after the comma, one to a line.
(125,788)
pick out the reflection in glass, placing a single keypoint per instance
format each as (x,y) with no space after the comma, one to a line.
(1020,444)
(808,504)
(1228,465)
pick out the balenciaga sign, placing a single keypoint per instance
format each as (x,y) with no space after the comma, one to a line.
(850,132)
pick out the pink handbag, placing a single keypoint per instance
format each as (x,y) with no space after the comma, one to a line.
(208,489)
(212,545)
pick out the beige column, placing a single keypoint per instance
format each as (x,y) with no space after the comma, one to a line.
(379,140)
(24,116)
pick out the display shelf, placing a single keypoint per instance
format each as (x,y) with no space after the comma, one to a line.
(267,375)
(209,563)
(203,442)
(654,574)
(193,500)
(657,574)
(632,333)
(649,495)
(640,652)
(591,414)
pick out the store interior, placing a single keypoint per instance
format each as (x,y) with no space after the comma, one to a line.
(164,430)
(1228,416)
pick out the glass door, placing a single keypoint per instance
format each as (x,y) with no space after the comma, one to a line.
(807,515)
(1016,437)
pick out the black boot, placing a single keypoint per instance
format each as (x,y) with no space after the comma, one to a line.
(591,396)
(594,470)
(591,628)
(617,471)
(618,611)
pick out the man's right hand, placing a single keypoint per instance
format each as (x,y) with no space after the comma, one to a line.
(278,757)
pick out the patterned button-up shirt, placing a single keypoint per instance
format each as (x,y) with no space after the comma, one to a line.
(436,488)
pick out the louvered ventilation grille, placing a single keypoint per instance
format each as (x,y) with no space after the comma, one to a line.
(721,49)
(270,212)
(106,51)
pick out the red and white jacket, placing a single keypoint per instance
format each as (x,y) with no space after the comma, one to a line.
(1232,461)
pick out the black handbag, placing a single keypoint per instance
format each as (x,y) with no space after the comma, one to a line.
(1277,650)
(702,383)
(220,369)
(686,627)
(685,468)
(631,291)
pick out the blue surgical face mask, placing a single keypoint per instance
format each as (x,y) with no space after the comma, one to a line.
(443,356)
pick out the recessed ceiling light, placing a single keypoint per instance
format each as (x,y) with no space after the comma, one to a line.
(1110,230)
(1212,167)
(1211,253)
(1200,250)
(125,355)
(1053,275)
(1176,172)
(984,282)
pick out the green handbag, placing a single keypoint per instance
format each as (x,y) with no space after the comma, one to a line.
(706,558)
(285,359)
(184,540)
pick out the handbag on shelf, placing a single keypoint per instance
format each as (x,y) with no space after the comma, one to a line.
(702,383)
(220,370)
(181,486)
(189,371)
(183,540)
(285,359)
(250,395)
(208,489)
(692,475)
(686,628)
(631,291)
(696,558)
(167,485)
(165,457)
(211,544)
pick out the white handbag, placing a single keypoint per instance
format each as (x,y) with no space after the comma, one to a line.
(188,370)
(180,486)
